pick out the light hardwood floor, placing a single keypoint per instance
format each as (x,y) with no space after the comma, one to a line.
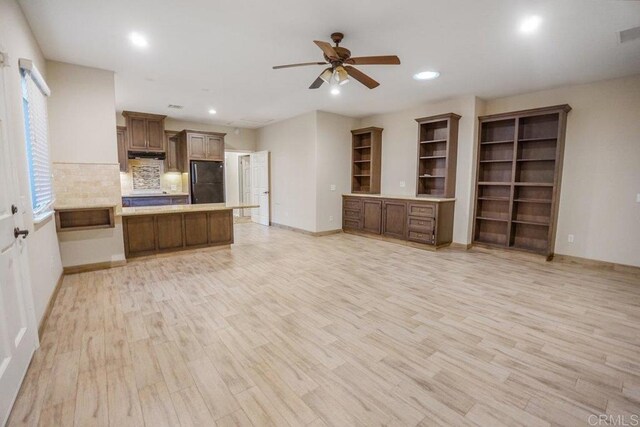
(289,329)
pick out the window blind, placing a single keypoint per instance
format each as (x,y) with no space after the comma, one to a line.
(34,101)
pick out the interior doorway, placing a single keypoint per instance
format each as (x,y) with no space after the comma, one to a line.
(244,179)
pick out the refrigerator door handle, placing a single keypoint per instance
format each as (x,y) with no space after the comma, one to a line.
(195,173)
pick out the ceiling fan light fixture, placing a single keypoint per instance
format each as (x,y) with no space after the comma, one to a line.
(335,90)
(340,75)
(326,75)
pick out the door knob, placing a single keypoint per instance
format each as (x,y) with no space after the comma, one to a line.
(17,233)
(14,209)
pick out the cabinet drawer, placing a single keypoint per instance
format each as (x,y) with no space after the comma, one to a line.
(421,224)
(183,200)
(422,209)
(351,223)
(352,204)
(351,214)
(417,236)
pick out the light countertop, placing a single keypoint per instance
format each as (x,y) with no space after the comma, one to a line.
(155,195)
(168,209)
(387,196)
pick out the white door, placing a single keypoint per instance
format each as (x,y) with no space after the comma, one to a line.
(18,332)
(259,163)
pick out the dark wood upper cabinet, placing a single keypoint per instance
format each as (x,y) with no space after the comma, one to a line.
(394,218)
(437,155)
(214,148)
(366,155)
(173,161)
(199,145)
(121,137)
(196,146)
(145,131)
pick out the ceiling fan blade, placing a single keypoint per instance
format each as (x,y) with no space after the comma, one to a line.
(327,49)
(374,60)
(361,77)
(318,82)
(302,64)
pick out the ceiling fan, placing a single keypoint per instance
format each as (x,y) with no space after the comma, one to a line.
(341,64)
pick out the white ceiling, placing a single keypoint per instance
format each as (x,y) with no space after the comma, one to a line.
(218,54)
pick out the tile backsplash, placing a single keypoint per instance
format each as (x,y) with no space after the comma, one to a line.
(86,184)
(147,176)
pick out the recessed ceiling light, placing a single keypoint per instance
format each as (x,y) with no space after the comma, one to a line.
(530,24)
(426,75)
(138,40)
(212,111)
(335,90)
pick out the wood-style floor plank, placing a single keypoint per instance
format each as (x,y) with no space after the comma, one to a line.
(288,329)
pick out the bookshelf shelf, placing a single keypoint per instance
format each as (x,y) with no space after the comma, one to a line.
(437,153)
(366,154)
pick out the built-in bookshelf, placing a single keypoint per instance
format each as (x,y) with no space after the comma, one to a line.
(520,157)
(437,153)
(366,155)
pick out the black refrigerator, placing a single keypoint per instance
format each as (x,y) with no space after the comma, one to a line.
(207,182)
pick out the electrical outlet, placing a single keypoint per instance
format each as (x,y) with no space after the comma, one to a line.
(174,187)
(402,184)
(330,217)
(570,238)
(638,198)
(332,187)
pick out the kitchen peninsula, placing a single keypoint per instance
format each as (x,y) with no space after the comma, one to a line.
(159,229)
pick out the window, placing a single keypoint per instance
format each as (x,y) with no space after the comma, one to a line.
(34,102)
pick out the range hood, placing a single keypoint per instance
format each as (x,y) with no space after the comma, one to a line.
(147,155)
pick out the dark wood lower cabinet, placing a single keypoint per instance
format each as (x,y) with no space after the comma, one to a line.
(428,222)
(372,216)
(394,219)
(169,231)
(158,233)
(196,229)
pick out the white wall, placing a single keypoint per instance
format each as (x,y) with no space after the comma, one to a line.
(241,139)
(292,144)
(83,131)
(601,170)
(81,121)
(399,139)
(333,167)
(17,41)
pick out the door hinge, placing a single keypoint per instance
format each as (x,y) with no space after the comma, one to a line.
(4,59)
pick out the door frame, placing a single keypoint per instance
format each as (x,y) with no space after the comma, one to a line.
(244,156)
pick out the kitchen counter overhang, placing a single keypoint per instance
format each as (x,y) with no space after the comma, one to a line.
(159,229)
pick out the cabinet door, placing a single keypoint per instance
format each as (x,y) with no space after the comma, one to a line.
(172,162)
(137,134)
(155,135)
(220,227)
(394,223)
(139,235)
(214,148)
(169,231)
(197,146)
(195,229)
(121,137)
(372,216)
